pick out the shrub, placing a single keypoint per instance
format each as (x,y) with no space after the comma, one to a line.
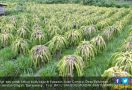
(5,39)
(56,44)
(86,50)
(20,46)
(115,72)
(40,55)
(73,37)
(99,43)
(38,37)
(107,3)
(123,60)
(109,32)
(88,31)
(23,32)
(70,63)
(53,30)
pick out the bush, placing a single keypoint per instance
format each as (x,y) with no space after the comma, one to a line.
(107,3)
(56,1)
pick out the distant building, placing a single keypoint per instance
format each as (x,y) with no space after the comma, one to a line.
(2,9)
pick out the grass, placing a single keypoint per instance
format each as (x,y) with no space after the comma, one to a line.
(48,70)
(24,64)
(8,69)
(6,54)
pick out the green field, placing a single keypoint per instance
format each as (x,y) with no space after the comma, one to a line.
(65,40)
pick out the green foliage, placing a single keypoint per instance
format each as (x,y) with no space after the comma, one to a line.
(56,1)
(5,39)
(86,50)
(8,28)
(24,64)
(54,23)
(123,60)
(115,72)
(38,37)
(70,63)
(109,33)
(20,46)
(127,46)
(8,69)
(90,2)
(88,31)
(21,5)
(57,43)
(48,71)
(73,37)
(129,39)
(6,54)
(53,30)
(99,43)
(23,32)
(40,55)
(107,3)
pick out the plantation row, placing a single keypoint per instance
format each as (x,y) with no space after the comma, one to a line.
(121,61)
(88,49)
(28,42)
